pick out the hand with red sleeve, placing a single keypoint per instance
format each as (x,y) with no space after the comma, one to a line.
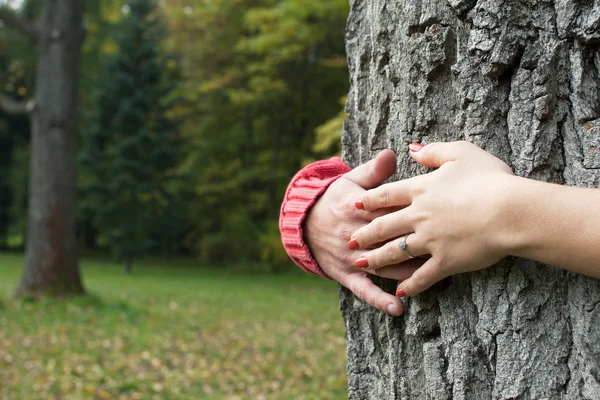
(329,223)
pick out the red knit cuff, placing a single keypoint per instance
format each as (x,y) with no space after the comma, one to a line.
(303,191)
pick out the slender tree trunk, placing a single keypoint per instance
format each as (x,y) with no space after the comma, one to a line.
(51,266)
(128,266)
(520,79)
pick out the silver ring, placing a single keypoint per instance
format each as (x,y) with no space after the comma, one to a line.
(404,246)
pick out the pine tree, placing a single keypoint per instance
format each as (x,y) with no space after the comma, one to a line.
(131,150)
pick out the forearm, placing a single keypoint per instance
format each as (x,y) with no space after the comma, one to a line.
(556,225)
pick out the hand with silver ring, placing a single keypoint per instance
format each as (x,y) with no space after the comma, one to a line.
(449,215)
(404,246)
(471,212)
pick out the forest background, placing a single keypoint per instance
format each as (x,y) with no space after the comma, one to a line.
(193,117)
(240,95)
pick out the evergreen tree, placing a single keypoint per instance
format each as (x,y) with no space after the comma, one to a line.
(130,152)
(15,83)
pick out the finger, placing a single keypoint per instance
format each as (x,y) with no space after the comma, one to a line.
(384,228)
(371,215)
(435,155)
(372,173)
(395,194)
(391,253)
(367,291)
(423,278)
(399,272)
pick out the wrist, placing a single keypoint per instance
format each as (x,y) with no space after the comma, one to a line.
(523,220)
(303,191)
(510,221)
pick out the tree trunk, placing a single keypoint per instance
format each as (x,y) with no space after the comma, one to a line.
(51,266)
(128,266)
(521,80)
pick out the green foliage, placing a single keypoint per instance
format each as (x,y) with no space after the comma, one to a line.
(15,69)
(272,252)
(174,331)
(329,135)
(261,76)
(198,167)
(130,153)
(18,184)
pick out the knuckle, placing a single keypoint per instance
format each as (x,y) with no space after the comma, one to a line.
(419,281)
(353,286)
(370,172)
(343,279)
(439,267)
(348,209)
(369,296)
(345,233)
(428,148)
(417,187)
(359,235)
(360,293)
(344,255)
(441,262)
(418,216)
(421,241)
(378,228)
(379,304)
(464,145)
(380,213)
(383,196)
(459,148)
(391,252)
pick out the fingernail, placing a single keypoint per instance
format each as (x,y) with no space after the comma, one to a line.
(362,262)
(390,308)
(359,204)
(414,147)
(353,244)
(400,293)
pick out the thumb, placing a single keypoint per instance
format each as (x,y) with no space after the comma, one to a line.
(374,172)
(435,155)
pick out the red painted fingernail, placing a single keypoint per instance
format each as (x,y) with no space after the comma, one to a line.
(362,262)
(353,244)
(359,204)
(400,293)
(414,147)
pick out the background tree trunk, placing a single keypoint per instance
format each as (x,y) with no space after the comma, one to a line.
(521,80)
(51,266)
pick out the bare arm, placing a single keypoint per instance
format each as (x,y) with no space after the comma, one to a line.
(556,225)
(471,212)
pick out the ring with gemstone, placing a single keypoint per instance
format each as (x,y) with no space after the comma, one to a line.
(404,246)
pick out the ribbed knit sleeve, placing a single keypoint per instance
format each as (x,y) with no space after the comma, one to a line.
(303,191)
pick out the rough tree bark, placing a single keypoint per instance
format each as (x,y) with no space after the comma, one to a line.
(522,80)
(51,265)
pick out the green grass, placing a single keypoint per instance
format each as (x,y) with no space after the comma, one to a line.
(173,330)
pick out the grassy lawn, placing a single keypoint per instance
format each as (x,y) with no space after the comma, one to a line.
(173,330)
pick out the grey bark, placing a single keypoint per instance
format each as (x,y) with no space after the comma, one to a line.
(521,80)
(51,265)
